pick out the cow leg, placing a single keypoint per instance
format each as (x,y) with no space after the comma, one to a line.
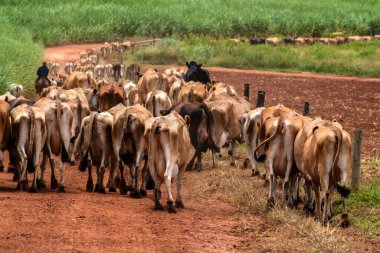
(99,187)
(135,184)
(272,183)
(53,180)
(123,186)
(33,188)
(190,165)
(111,179)
(324,179)
(132,173)
(61,185)
(233,153)
(198,165)
(317,201)
(157,196)
(90,183)
(178,201)
(308,196)
(40,181)
(144,178)
(1,161)
(345,220)
(168,184)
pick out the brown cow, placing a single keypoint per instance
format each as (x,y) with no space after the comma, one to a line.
(327,159)
(129,145)
(59,118)
(5,129)
(95,139)
(110,96)
(278,148)
(168,151)
(78,80)
(150,81)
(175,90)
(193,92)
(28,138)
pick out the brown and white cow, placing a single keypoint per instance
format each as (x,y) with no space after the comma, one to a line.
(273,41)
(130,146)
(168,151)
(69,67)
(58,118)
(193,92)
(156,101)
(110,96)
(28,139)
(78,80)
(95,141)
(250,125)
(105,50)
(327,159)
(99,71)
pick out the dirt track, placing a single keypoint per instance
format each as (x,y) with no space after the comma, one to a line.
(78,221)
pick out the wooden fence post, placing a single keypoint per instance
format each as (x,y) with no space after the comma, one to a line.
(260,98)
(355,180)
(246,91)
(306,109)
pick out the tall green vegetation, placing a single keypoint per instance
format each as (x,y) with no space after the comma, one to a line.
(55,22)
(361,59)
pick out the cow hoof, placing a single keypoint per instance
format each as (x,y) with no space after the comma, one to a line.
(271,203)
(117,182)
(123,189)
(129,188)
(171,208)
(345,221)
(16,177)
(233,164)
(255,173)
(112,189)
(97,188)
(89,186)
(33,190)
(24,186)
(72,163)
(53,184)
(11,169)
(246,163)
(158,207)
(143,193)
(41,184)
(18,187)
(229,152)
(61,188)
(135,194)
(102,190)
(1,168)
(179,204)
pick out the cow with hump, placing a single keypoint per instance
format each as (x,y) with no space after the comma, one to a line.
(28,140)
(5,129)
(168,151)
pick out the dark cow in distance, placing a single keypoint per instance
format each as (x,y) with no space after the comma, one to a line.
(256,41)
(201,124)
(196,74)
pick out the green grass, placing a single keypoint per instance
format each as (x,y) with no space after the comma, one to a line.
(358,59)
(51,22)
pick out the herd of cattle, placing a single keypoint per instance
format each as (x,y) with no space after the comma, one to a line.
(339,39)
(151,126)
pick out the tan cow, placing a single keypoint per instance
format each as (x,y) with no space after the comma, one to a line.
(130,146)
(278,148)
(95,139)
(69,67)
(16,90)
(125,46)
(193,92)
(273,41)
(83,55)
(156,101)
(226,128)
(327,159)
(299,41)
(78,80)
(105,50)
(150,81)
(5,129)
(175,90)
(168,152)
(175,71)
(108,70)
(28,138)
(311,41)
(59,118)
(110,96)
(221,88)
(99,71)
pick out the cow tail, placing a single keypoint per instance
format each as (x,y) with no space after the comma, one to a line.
(64,153)
(210,125)
(30,166)
(79,116)
(262,157)
(154,106)
(167,111)
(190,95)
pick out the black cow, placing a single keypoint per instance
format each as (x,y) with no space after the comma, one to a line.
(201,124)
(256,41)
(196,74)
(289,40)
(116,69)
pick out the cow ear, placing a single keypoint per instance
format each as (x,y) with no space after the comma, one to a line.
(6,99)
(187,120)
(199,65)
(187,64)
